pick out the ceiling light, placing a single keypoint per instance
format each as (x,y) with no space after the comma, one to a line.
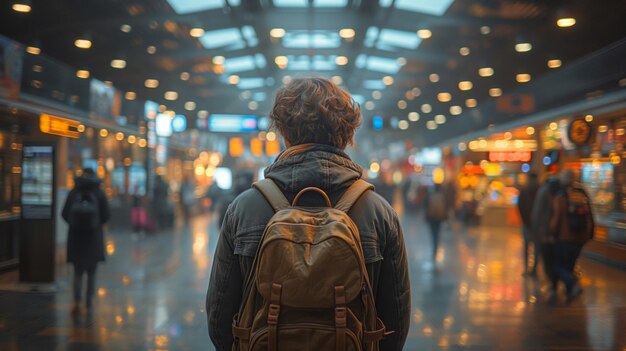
(414,116)
(104,133)
(440,119)
(151,83)
(456,110)
(403,125)
(190,105)
(485,72)
(401,104)
(471,103)
(286,79)
(388,80)
(426,108)
(464,51)
(424,33)
(523,47)
(196,32)
(554,63)
(118,63)
(523,78)
(495,92)
(465,85)
(337,80)
(22,6)
(566,22)
(433,77)
(170,95)
(119,136)
(589,118)
(234,79)
(341,60)
(369,105)
(416,91)
(203,114)
(253,105)
(82,43)
(33,50)
(108,83)
(82,73)
(530,130)
(184,76)
(151,49)
(485,30)
(401,61)
(130,95)
(377,94)
(444,97)
(281,61)
(126,28)
(462,146)
(218,60)
(347,33)
(277,33)
(431,125)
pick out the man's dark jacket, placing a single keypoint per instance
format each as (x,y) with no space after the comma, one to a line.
(86,248)
(381,237)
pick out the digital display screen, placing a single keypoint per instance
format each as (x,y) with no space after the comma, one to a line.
(233,123)
(37,182)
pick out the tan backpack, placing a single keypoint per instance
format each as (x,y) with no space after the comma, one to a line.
(308,288)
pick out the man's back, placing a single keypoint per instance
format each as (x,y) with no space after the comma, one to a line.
(379,228)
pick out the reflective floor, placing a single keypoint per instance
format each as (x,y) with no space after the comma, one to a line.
(151,295)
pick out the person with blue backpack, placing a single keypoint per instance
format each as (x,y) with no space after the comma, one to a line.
(86,210)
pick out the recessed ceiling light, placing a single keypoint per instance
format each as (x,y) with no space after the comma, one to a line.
(530,130)
(433,77)
(554,63)
(130,95)
(108,83)
(196,32)
(151,83)
(151,49)
(33,50)
(444,97)
(523,47)
(82,43)
(424,33)
(416,91)
(485,72)
(465,85)
(426,108)
(190,105)
(341,60)
(431,125)
(234,79)
(495,92)
(277,33)
(376,94)
(253,105)
(456,110)
(21,6)
(286,79)
(369,105)
(403,125)
(485,30)
(523,78)
(82,73)
(118,63)
(566,22)
(401,61)
(401,104)
(388,80)
(589,118)
(281,61)
(337,80)
(170,95)
(184,76)
(471,103)
(218,60)
(440,119)
(464,51)
(126,28)
(414,116)
(347,33)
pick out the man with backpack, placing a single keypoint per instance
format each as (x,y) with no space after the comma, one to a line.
(86,210)
(310,258)
(572,226)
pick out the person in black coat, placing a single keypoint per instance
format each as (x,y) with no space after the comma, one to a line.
(525,205)
(86,210)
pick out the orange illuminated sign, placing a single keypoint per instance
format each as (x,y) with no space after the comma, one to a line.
(510,156)
(272,147)
(256,147)
(55,125)
(236,147)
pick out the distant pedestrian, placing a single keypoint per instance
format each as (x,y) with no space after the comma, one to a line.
(161,204)
(187,198)
(525,205)
(572,226)
(436,213)
(86,210)
(540,226)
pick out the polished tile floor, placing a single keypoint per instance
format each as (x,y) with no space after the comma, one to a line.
(151,294)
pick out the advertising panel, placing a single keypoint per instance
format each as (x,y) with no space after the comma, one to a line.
(104,102)
(37,182)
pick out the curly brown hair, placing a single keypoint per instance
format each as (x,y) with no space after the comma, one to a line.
(315,110)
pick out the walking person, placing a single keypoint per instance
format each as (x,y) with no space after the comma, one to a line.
(187,198)
(436,213)
(317,121)
(572,226)
(86,210)
(525,205)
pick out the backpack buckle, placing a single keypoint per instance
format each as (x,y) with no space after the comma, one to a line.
(272,315)
(341,316)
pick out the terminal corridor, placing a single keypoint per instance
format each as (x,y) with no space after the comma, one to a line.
(151,293)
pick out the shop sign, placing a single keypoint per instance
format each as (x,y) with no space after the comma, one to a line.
(50,124)
(579,132)
(510,156)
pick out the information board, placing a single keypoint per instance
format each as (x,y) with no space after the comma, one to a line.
(37,184)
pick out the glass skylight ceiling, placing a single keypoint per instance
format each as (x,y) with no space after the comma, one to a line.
(431,7)
(189,6)
(316,3)
(308,63)
(312,39)
(230,38)
(374,84)
(378,64)
(251,83)
(391,39)
(244,63)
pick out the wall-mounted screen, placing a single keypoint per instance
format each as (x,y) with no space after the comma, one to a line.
(233,123)
(37,182)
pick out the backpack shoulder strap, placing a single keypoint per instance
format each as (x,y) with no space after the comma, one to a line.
(272,194)
(354,192)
